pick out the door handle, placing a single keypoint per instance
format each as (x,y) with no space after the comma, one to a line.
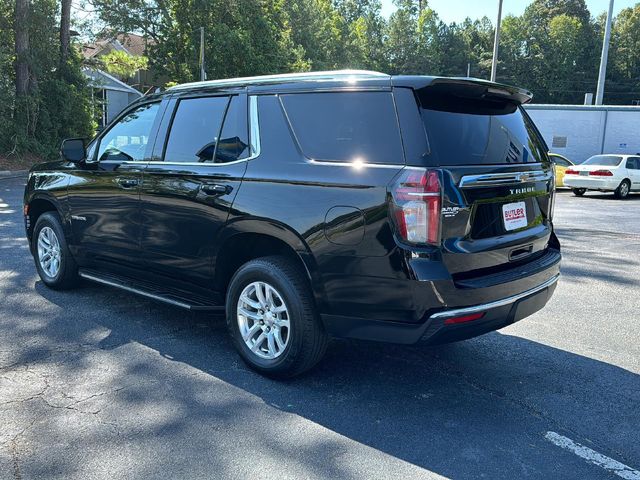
(127,182)
(215,189)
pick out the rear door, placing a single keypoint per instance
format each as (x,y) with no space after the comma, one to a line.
(633,171)
(497,177)
(186,197)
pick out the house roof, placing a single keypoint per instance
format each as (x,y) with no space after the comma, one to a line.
(131,43)
(100,79)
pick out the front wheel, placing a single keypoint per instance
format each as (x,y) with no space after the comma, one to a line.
(271,317)
(578,192)
(55,265)
(623,189)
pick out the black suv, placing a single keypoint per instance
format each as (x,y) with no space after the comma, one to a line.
(352,204)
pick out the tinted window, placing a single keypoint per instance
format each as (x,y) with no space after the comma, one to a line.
(234,139)
(195,129)
(495,135)
(346,126)
(633,163)
(127,140)
(604,160)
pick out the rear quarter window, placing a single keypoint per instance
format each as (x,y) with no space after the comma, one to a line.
(345,126)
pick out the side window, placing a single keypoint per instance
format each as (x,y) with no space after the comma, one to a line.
(561,161)
(633,163)
(195,128)
(127,140)
(234,139)
(346,126)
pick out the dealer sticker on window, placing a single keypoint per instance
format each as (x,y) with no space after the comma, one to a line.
(514,215)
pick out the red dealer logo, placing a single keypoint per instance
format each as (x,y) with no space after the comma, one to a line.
(515,214)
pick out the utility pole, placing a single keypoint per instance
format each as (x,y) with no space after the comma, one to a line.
(203,75)
(496,43)
(605,56)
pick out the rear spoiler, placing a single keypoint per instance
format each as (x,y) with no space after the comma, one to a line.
(465,88)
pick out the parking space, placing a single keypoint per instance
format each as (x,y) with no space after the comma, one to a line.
(99,383)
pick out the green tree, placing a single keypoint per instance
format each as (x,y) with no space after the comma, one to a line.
(365,34)
(120,63)
(623,85)
(402,40)
(55,103)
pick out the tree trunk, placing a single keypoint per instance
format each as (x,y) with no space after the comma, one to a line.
(22,47)
(65,26)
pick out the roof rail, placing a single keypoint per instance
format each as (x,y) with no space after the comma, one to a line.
(294,77)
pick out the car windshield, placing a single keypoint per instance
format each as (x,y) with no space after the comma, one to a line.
(604,160)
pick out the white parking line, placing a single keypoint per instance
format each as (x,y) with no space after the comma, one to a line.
(594,457)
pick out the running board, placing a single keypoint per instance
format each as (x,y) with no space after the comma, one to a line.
(172,296)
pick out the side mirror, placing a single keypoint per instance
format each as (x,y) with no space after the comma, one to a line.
(73,150)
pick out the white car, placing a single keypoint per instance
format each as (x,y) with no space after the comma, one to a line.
(619,174)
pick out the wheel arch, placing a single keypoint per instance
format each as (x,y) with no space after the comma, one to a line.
(38,205)
(245,240)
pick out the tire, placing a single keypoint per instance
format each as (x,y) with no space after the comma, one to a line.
(48,228)
(298,347)
(578,192)
(623,189)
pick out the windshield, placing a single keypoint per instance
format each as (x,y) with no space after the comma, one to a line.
(604,160)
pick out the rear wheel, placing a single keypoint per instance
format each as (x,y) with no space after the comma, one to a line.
(55,265)
(623,189)
(578,192)
(272,319)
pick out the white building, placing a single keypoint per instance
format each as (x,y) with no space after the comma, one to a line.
(580,131)
(110,95)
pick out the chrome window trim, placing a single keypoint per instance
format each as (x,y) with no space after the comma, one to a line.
(254,128)
(254,142)
(498,303)
(359,165)
(493,179)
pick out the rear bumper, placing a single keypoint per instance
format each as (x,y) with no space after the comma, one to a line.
(434,330)
(591,183)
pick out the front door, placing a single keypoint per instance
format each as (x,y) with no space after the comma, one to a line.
(104,192)
(186,198)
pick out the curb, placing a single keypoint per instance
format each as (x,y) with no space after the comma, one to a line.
(12,173)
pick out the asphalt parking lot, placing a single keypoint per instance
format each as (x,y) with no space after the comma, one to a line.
(98,383)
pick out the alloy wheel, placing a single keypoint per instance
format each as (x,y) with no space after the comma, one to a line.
(624,189)
(263,320)
(49,253)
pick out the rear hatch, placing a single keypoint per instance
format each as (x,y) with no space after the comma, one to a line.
(497,179)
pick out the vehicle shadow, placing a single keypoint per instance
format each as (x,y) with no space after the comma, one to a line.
(485,403)
(594,195)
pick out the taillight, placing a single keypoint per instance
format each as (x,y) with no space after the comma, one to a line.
(571,172)
(416,207)
(601,173)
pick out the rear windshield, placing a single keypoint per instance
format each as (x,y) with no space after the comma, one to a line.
(604,160)
(346,126)
(471,132)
